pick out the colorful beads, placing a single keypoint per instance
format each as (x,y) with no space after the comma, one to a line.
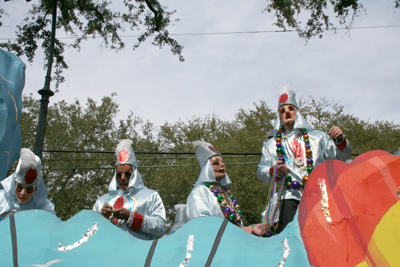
(229,205)
(224,203)
(295,185)
(288,179)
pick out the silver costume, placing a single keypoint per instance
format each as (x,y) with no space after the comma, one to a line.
(8,200)
(201,201)
(322,147)
(148,202)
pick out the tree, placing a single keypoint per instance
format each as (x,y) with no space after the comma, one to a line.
(75,180)
(287,14)
(82,19)
(363,135)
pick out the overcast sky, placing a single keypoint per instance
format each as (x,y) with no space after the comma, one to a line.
(223,73)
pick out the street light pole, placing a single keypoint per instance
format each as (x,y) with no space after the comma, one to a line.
(46,92)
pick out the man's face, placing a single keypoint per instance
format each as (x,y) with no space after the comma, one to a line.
(124,172)
(23,193)
(218,166)
(288,116)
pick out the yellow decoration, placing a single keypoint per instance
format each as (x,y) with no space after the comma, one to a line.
(384,245)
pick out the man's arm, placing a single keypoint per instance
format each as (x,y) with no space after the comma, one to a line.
(154,222)
(265,165)
(337,146)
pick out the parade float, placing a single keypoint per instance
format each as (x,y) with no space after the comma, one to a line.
(348,216)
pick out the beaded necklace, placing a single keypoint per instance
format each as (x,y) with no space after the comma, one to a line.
(272,208)
(229,205)
(271,212)
(295,185)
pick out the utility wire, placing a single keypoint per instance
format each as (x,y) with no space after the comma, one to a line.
(148,153)
(140,167)
(224,33)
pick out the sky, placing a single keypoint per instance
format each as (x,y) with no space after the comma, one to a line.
(225,72)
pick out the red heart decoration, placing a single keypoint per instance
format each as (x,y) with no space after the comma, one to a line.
(358,195)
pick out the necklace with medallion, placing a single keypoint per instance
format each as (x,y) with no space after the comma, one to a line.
(295,185)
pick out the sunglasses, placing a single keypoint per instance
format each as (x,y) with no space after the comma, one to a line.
(28,189)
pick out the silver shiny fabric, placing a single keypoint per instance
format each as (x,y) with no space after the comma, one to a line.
(9,203)
(207,175)
(149,204)
(135,181)
(180,218)
(322,147)
(300,123)
(202,202)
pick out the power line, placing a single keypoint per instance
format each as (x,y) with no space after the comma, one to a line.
(225,33)
(139,167)
(149,153)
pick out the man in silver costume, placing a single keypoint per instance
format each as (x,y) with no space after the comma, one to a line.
(129,204)
(301,149)
(24,189)
(209,196)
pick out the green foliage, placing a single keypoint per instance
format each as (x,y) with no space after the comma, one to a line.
(363,135)
(89,18)
(75,180)
(287,14)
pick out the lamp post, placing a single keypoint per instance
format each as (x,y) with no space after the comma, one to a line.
(46,92)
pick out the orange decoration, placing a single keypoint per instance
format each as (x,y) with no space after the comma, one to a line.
(342,205)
